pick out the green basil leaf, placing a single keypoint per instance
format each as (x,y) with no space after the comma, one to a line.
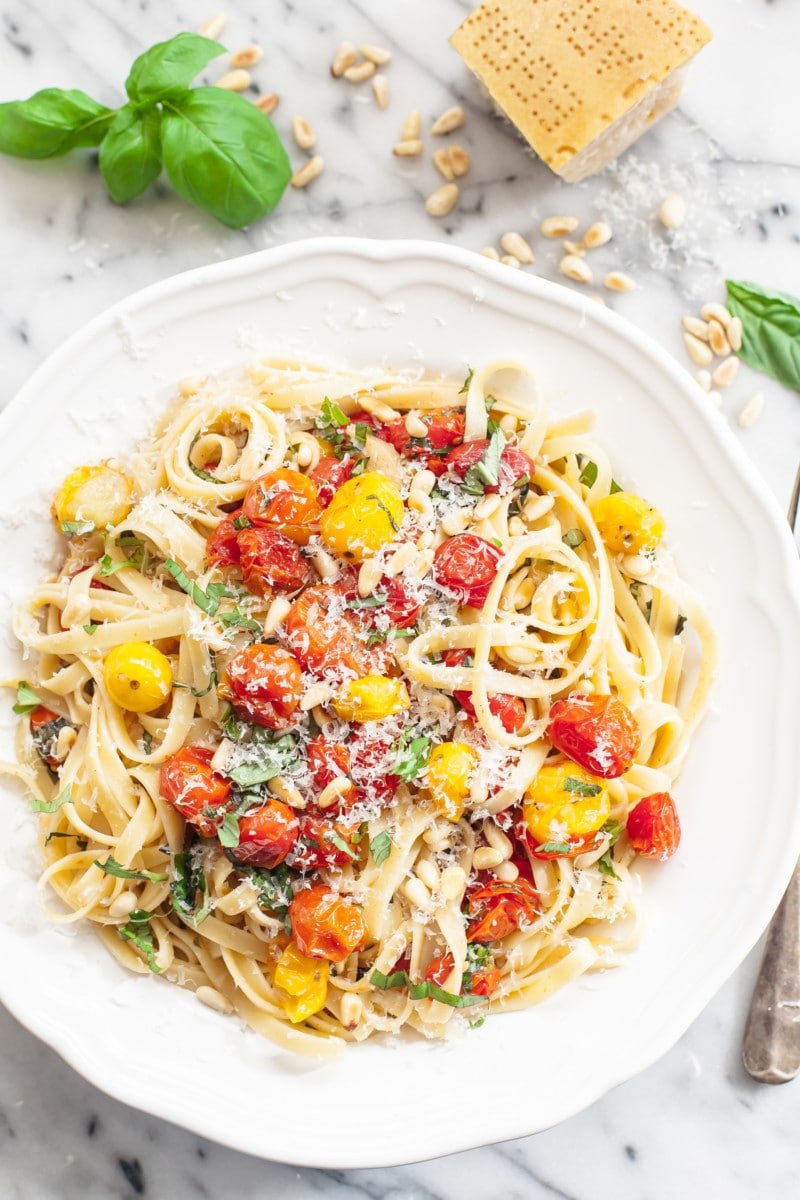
(465,385)
(109,567)
(147,742)
(613,829)
(331,414)
(381,847)
(412,754)
(338,841)
(141,936)
(27,699)
(614,487)
(52,122)
(423,991)
(207,601)
(241,523)
(229,831)
(112,867)
(165,71)
(605,866)
(579,788)
(77,528)
(553,848)
(198,693)
(130,156)
(223,155)
(486,473)
(90,629)
(51,806)
(376,600)
(573,538)
(188,882)
(770,330)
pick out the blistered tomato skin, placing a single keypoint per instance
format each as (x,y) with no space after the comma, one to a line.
(466,566)
(627,523)
(329,474)
(498,909)
(323,635)
(286,501)
(325,925)
(564,803)
(305,982)
(599,733)
(447,777)
(445,428)
(138,677)
(99,494)
(190,785)
(371,698)
(509,710)
(365,514)
(264,684)
(270,561)
(514,464)
(328,761)
(653,827)
(266,836)
(222,548)
(316,848)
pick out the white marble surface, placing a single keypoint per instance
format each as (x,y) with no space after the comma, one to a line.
(692,1125)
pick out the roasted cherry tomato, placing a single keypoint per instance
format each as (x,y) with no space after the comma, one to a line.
(509,710)
(372,760)
(264,683)
(266,836)
(597,732)
(328,761)
(466,565)
(445,428)
(402,607)
(222,548)
(514,464)
(483,982)
(500,908)
(653,827)
(329,474)
(569,847)
(270,560)
(325,925)
(284,500)
(190,785)
(45,726)
(316,848)
(323,634)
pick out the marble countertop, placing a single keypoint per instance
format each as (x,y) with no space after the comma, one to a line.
(693,1124)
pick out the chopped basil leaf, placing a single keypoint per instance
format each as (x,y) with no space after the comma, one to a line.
(680,624)
(201,474)
(477,1024)
(207,601)
(411,756)
(338,841)
(496,542)
(90,629)
(147,742)
(614,829)
(266,757)
(198,693)
(275,887)
(77,528)
(391,635)
(573,538)
(229,831)
(588,475)
(237,618)
(381,847)
(465,385)
(605,865)
(51,806)
(579,788)
(233,728)
(376,600)
(241,523)
(81,842)
(614,487)
(331,414)
(383,508)
(423,991)
(141,936)
(554,848)
(112,867)
(486,473)
(109,567)
(27,699)
(189,880)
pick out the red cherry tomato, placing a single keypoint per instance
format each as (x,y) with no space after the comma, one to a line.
(329,474)
(466,565)
(266,836)
(323,635)
(597,732)
(325,925)
(270,560)
(575,846)
(402,607)
(222,548)
(445,427)
(264,683)
(500,908)
(372,761)
(653,827)
(284,500)
(364,418)
(190,785)
(514,464)
(45,739)
(509,710)
(328,761)
(482,982)
(314,849)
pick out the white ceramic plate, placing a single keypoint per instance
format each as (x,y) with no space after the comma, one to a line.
(392,303)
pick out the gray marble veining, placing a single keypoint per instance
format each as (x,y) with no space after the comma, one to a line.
(693,1125)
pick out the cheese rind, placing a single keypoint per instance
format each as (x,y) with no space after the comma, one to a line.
(580,79)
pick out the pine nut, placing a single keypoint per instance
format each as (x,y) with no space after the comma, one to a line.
(699,352)
(725,373)
(496,838)
(334,791)
(441,160)
(516,527)
(575,268)
(509,260)
(286,791)
(308,172)
(123,905)
(455,521)
(415,425)
(734,332)
(304,455)
(234,81)
(222,756)
(571,247)
(428,872)
(417,894)
(752,410)
(597,235)
(344,57)
(423,564)
(451,118)
(426,540)
(716,312)
(214,999)
(442,201)
(351,1009)
(486,857)
(326,564)
(382,412)
(460,160)
(696,327)
(618,281)
(412,126)
(490,252)
(248,56)
(424,481)
(318,693)
(376,54)
(672,211)
(507,872)
(268,104)
(401,559)
(369,576)
(380,90)
(558,227)
(277,613)
(453,881)
(409,148)
(704,379)
(214,26)
(419,502)
(486,507)
(302,133)
(359,72)
(514,243)
(717,339)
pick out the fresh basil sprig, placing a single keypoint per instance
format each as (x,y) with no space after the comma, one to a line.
(770,330)
(220,152)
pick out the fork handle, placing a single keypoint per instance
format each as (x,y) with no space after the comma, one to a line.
(771,1046)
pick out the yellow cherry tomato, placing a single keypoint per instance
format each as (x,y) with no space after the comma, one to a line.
(101,495)
(370,698)
(364,514)
(627,523)
(564,802)
(306,982)
(447,777)
(137,676)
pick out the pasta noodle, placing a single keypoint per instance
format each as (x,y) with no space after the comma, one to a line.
(356,697)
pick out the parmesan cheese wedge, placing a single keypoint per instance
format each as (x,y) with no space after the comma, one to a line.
(581,79)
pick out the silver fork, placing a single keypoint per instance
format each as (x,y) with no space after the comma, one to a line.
(771,1044)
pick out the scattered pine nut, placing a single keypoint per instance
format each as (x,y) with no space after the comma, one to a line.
(618,281)
(380,90)
(704,379)
(441,160)
(558,227)
(344,57)
(515,245)
(717,339)
(376,54)
(382,412)
(415,426)
(409,148)
(571,247)
(672,212)
(303,134)
(575,268)
(234,81)
(716,312)
(726,372)
(269,103)
(752,410)
(412,126)
(351,1009)
(696,327)
(442,201)
(460,161)
(248,56)
(451,118)
(359,72)
(490,252)
(699,352)
(510,260)
(214,26)
(486,858)
(309,170)
(734,334)
(597,235)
